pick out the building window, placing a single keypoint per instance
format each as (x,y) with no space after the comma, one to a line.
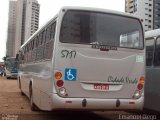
(131,1)
(150,4)
(131,7)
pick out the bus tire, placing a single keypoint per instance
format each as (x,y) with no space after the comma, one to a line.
(33,107)
(22,93)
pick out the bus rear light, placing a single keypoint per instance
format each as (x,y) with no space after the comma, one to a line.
(137,94)
(60,83)
(140,87)
(141,80)
(62,91)
(58,75)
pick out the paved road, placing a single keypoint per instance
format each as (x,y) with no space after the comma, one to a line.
(13,106)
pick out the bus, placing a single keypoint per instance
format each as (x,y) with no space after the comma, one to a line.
(11,67)
(152,88)
(84,59)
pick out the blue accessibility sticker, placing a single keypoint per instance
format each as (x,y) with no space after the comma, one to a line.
(70,74)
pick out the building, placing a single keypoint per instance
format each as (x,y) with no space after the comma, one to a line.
(10,45)
(148,10)
(156,15)
(26,22)
(32,15)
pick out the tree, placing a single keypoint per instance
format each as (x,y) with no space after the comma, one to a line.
(5,57)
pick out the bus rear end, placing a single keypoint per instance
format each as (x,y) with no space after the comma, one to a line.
(11,68)
(99,61)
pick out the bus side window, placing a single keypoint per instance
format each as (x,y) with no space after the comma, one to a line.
(37,42)
(149,51)
(53,30)
(48,34)
(157,53)
(48,50)
(44,36)
(21,57)
(34,50)
(40,38)
(25,54)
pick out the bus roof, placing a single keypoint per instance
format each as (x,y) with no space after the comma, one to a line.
(84,9)
(98,10)
(10,58)
(152,33)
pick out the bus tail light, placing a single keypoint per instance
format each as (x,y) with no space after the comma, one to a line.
(58,75)
(137,94)
(63,92)
(141,80)
(140,87)
(59,83)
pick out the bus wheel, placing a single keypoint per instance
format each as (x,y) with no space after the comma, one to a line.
(22,93)
(33,107)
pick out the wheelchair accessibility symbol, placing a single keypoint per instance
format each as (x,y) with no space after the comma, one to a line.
(70,74)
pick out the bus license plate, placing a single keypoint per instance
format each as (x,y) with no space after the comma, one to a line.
(101,86)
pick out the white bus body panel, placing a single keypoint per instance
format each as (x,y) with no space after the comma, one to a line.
(107,68)
(93,67)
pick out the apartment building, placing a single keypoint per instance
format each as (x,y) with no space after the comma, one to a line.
(148,10)
(24,23)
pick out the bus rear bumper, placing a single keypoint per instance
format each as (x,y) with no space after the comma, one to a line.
(96,104)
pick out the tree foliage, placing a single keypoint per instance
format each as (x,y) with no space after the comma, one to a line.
(5,57)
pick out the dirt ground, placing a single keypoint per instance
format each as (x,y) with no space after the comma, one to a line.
(14,106)
(11,101)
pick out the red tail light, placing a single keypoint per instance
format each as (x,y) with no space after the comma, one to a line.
(140,87)
(60,83)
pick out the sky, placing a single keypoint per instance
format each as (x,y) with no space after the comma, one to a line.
(48,8)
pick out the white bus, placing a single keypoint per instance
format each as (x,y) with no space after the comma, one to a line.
(86,59)
(152,86)
(11,67)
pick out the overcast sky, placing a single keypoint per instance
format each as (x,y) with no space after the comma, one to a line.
(48,8)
